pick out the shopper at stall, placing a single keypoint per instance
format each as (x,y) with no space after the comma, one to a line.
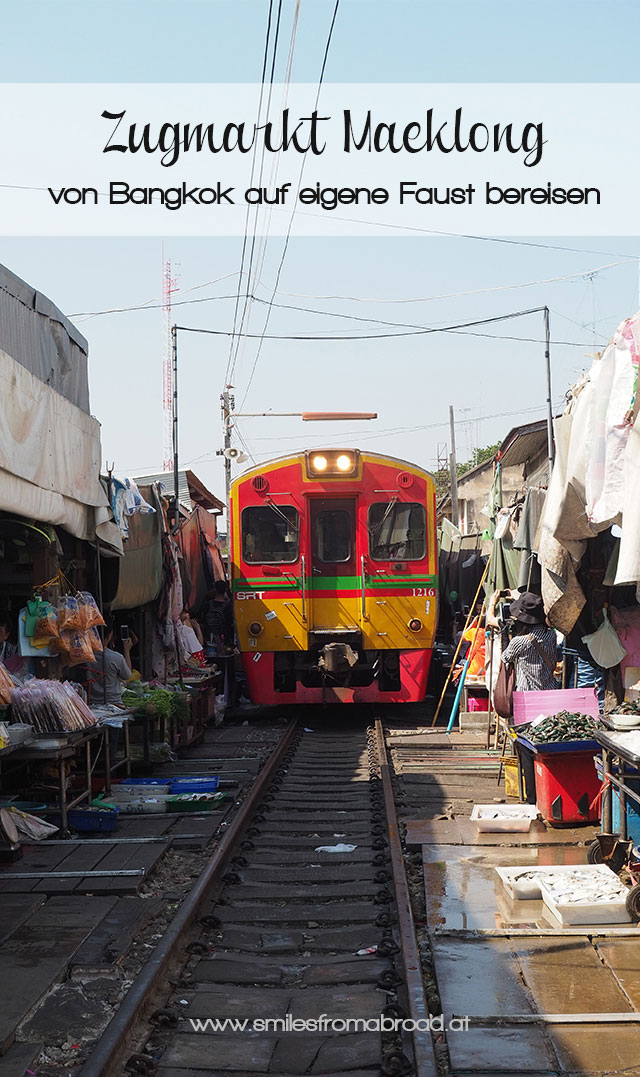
(106,676)
(217,618)
(7,650)
(533,647)
(190,640)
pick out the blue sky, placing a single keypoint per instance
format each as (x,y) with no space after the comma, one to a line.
(409,381)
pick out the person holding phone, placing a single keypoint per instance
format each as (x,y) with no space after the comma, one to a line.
(110,670)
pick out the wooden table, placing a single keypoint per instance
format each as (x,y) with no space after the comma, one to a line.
(31,754)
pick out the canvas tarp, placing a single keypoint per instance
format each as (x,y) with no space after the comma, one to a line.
(141,571)
(49,455)
(201,560)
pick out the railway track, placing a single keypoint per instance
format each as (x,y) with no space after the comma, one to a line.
(286,940)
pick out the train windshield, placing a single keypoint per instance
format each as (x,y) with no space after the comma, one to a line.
(270,534)
(333,537)
(397,531)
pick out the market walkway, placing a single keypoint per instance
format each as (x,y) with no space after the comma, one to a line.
(68,943)
(502,962)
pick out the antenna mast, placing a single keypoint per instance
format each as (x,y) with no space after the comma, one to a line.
(169,286)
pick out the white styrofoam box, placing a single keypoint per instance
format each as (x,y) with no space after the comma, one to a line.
(19,732)
(138,792)
(581,912)
(500,818)
(525,890)
(148,806)
(609,908)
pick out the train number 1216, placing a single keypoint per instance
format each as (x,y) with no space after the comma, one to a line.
(424,592)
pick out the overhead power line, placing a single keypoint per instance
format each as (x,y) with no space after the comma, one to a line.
(265,58)
(293,212)
(151,304)
(421,331)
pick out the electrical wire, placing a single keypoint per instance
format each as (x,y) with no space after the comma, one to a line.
(422,331)
(253,162)
(457,295)
(247,302)
(273,179)
(293,212)
(156,304)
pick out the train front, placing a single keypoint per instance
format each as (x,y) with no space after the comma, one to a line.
(334,578)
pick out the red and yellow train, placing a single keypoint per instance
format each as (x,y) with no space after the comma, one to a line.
(334,577)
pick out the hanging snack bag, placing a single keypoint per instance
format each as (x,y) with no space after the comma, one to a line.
(6,686)
(47,623)
(76,647)
(68,613)
(94,639)
(90,615)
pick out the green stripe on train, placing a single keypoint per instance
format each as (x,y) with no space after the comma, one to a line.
(334,583)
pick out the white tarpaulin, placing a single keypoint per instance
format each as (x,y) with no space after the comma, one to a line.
(49,454)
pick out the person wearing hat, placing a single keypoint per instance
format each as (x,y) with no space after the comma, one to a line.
(533,647)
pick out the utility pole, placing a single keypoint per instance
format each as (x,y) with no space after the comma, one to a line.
(174,425)
(227,401)
(453,469)
(547,359)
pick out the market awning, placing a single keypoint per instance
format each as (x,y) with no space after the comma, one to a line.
(49,456)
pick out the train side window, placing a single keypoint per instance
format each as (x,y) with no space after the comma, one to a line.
(397,531)
(270,534)
(333,536)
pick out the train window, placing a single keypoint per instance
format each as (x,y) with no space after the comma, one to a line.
(333,536)
(270,533)
(397,531)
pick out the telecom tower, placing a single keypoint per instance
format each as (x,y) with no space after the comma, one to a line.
(169,286)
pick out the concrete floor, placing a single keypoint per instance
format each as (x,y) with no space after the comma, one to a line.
(497,958)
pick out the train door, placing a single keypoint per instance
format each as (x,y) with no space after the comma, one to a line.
(333,564)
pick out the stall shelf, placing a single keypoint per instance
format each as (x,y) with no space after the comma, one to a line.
(616,746)
(75,742)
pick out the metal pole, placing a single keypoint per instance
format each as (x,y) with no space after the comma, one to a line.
(174,355)
(453,469)
(226,431)
(547,358)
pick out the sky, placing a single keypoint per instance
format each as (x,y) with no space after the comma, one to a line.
(494,383)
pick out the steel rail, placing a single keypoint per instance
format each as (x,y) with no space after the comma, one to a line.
(112,1042)
(424,1055)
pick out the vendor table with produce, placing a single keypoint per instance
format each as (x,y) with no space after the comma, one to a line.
(177,713)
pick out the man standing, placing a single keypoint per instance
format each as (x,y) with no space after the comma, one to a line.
(7,650)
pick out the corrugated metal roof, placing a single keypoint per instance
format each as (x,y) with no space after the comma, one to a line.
(523,443)
(191,491)
(39,337)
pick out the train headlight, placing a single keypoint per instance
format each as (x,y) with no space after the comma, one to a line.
(255,628)
(415,624)
(332,463)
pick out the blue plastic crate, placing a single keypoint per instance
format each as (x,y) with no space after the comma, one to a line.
(148,781)
(103,819)
(202,784)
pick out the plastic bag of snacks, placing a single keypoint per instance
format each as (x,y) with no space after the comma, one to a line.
(75,647)
(47,624)
(68,613)
(94,639)
(6,686)
(90,615)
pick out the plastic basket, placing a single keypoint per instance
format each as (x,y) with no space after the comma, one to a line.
(184,803)
(194,785)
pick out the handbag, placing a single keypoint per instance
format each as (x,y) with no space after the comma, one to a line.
(503,691)
(549,663)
